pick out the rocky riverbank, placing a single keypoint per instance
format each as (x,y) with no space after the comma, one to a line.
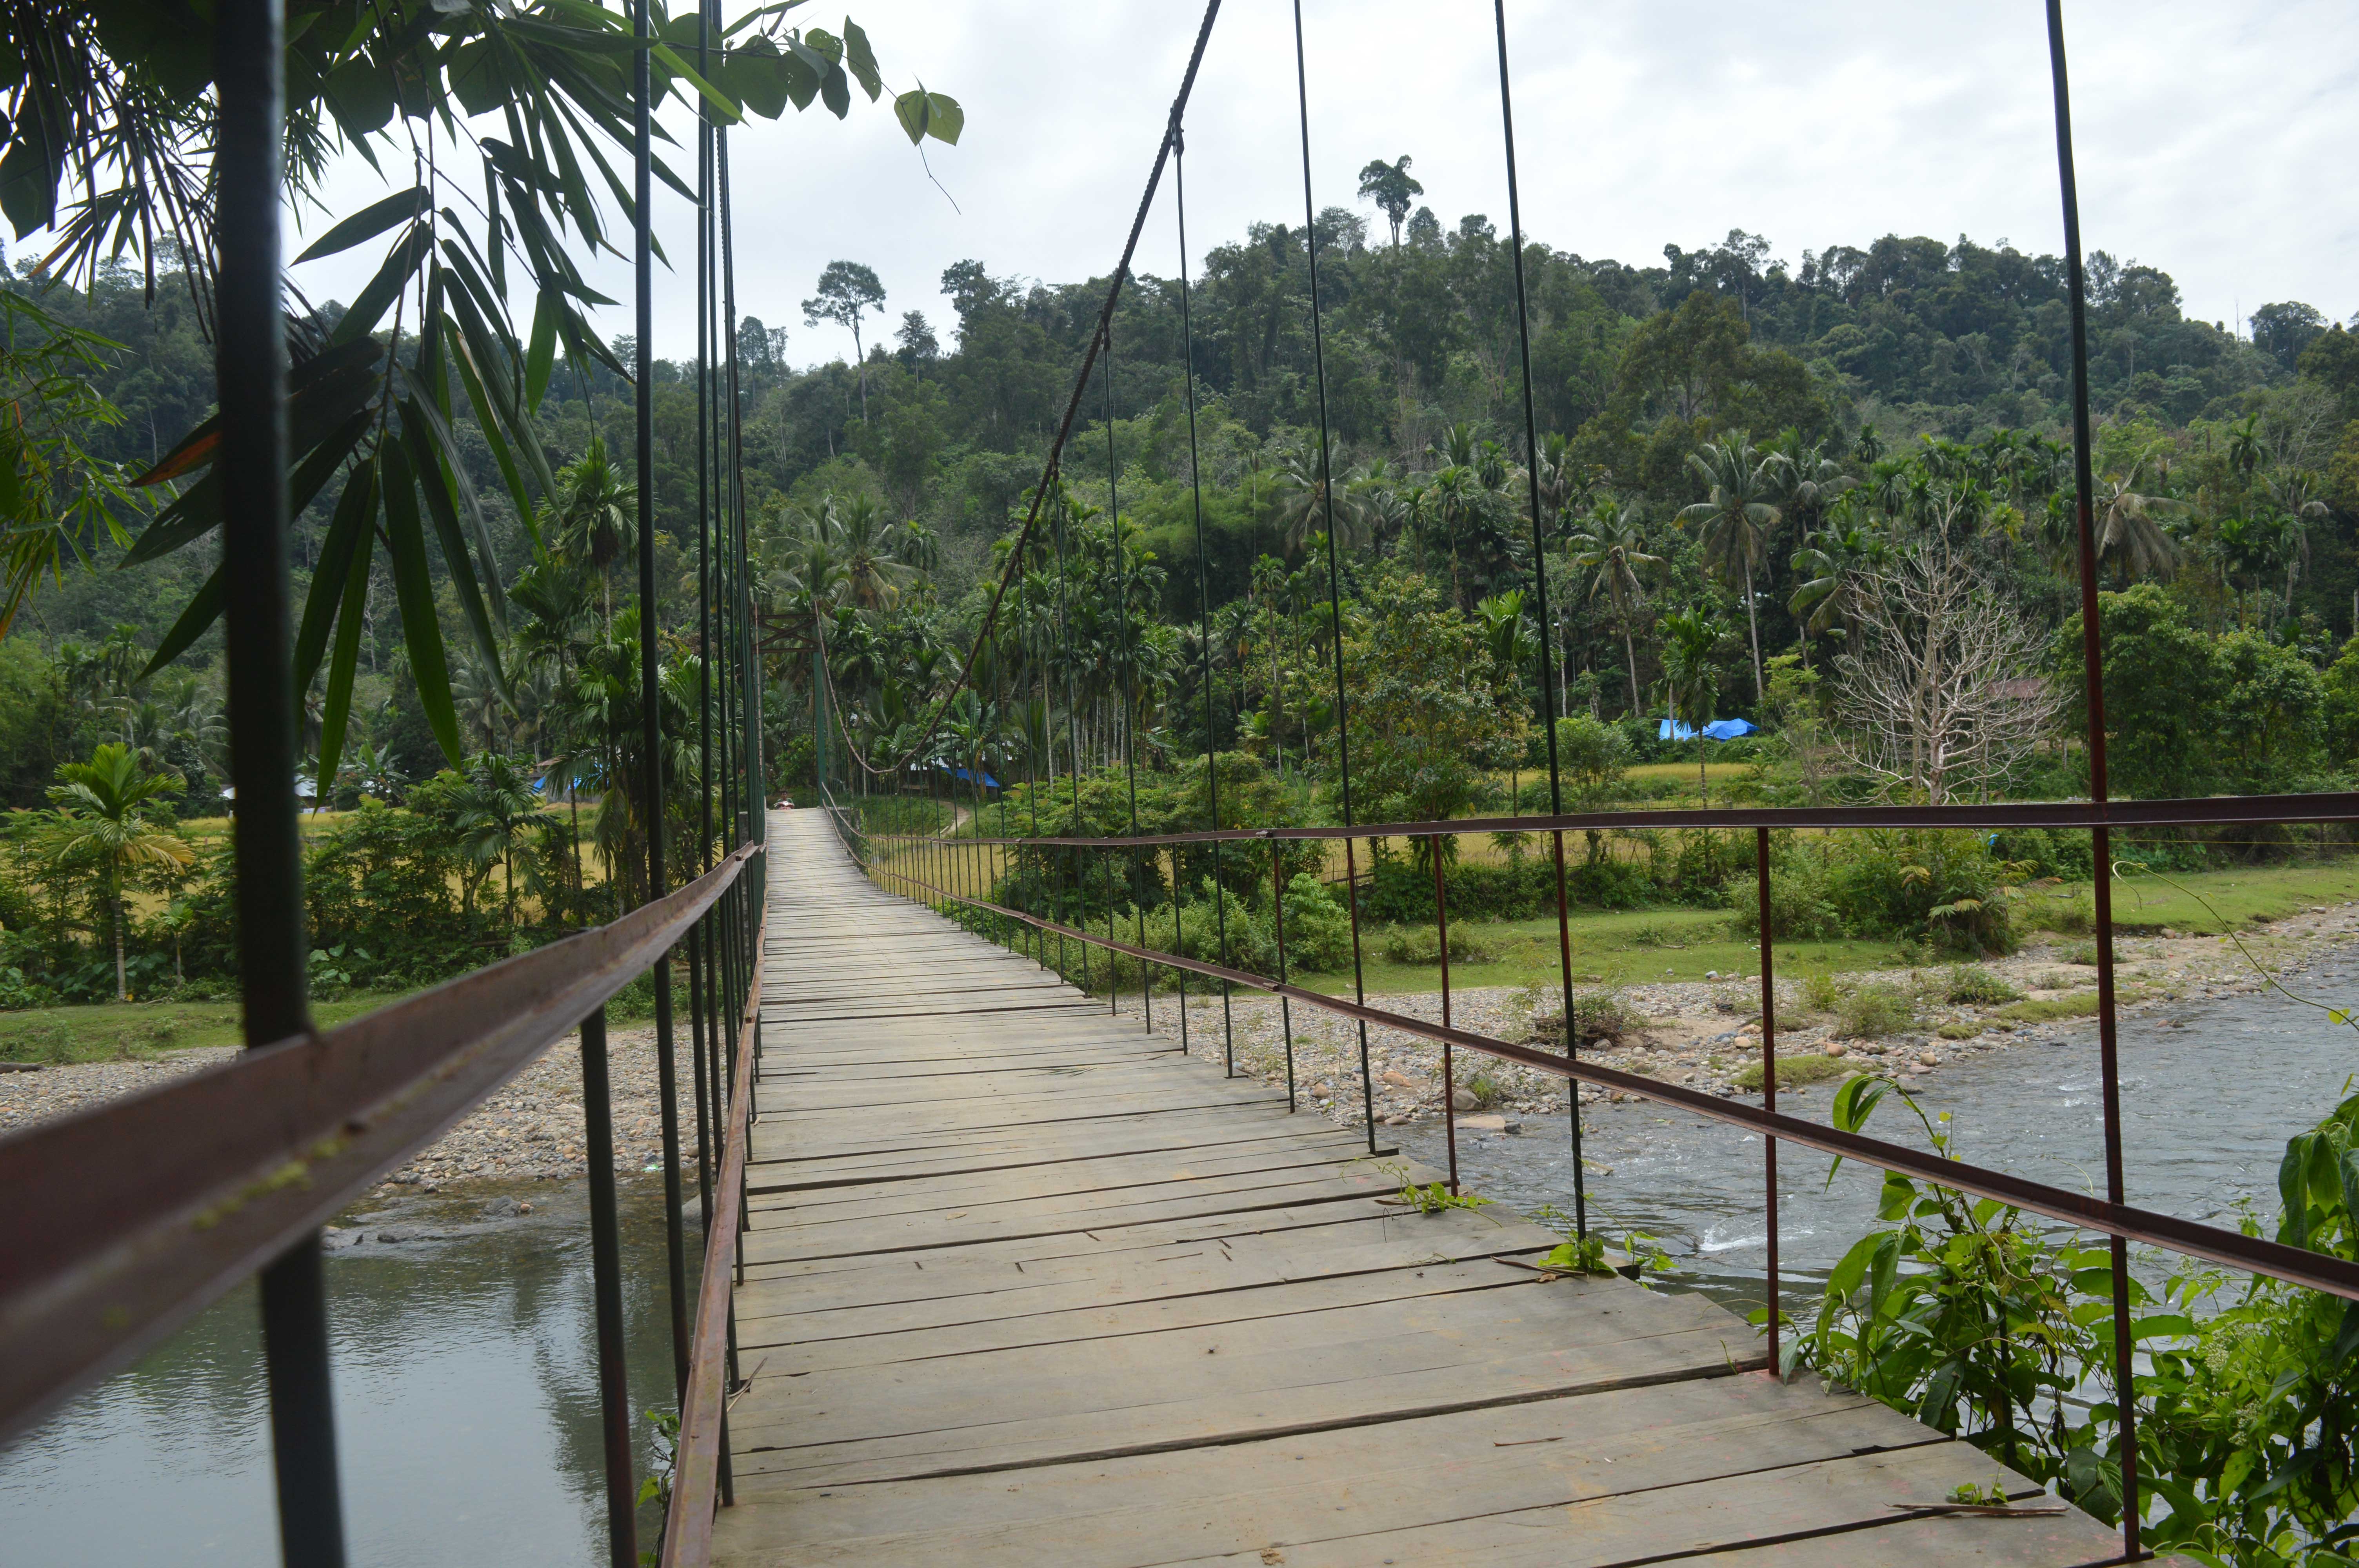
(529,1131)
(1909,1022)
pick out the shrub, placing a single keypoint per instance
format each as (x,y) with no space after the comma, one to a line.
(1421,945)
(1318,927)
(1873,1010)
(1596,1016)
(1793,1072)
(1821,994)
(1973,984)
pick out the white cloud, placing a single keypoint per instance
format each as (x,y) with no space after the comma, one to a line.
(2212,141)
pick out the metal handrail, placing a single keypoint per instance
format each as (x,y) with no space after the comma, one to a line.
(700,1456)
(2315,1270)
(128,1217)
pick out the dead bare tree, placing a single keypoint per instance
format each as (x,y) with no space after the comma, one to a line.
(1941,696)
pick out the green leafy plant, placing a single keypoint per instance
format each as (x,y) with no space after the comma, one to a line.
(1971,984)
(1427,1197)
(1871,1011)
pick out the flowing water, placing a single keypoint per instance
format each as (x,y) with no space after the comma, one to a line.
(467,1406)
(2211,1091)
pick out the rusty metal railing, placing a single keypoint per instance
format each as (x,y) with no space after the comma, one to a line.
(129,1216)
(923,867)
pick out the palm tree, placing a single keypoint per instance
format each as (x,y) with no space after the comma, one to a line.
(1737,517)
(2130,526)
(2295,491)
(2248,547)
(1613,549)
(105,803)
(1834,565)
(593,516)
(495,811)
(1690,637)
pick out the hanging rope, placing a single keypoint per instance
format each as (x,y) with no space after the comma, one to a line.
(1204,623)
(1334,584)
(1050,469)
(1129,689)
(1539,583)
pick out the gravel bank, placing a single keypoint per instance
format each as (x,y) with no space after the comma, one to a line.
(1701,1034)
(528,1131)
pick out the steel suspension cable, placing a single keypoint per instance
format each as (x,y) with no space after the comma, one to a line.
(1203,623)
(1129,687)
(652,795)
(1334,582)
(706,1119)
(1540,584)
(1049,470)
(2092,676)
(250,361)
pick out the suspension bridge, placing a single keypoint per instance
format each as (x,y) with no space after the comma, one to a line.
(987,1275)
(1024,1284)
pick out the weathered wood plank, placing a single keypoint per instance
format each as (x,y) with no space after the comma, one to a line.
(1026,1286)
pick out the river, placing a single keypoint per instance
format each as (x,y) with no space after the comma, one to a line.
(2211,1091)
(467,1406)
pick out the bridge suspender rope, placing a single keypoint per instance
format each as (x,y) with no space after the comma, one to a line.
(2093,676)
(249,53)
(1334,585)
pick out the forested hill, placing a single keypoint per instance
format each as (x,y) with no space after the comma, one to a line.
(1637,364)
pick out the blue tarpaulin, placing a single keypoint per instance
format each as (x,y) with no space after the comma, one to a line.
(1718,730)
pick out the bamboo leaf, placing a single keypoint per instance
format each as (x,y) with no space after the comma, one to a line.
(543,356)
(337,708)
(370,305)
(433,485)
(368,223)
(494,435)
(194,622)
(414,590)
(348,535)
(724,109)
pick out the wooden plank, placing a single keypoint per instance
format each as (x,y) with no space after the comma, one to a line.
(1314,1488)
(1024,1286)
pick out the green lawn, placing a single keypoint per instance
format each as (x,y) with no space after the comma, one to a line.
(1685,944)
(1611,949)
(2144,901)
(114,1031)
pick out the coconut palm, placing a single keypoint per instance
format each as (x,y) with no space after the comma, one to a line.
(1736,519)
(2130,530)
(1611,547)
(104,805)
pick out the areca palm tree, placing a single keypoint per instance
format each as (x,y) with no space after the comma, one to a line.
(594,517)
(1612,549)
(1736,519)
(105,804)
(495,813)
(1835,566)
(1689,638)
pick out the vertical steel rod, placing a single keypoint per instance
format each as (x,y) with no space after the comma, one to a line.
(650,691)
(1204,632)
(2100,839)
(1285,1009)
(249,52)
(1449,1075)
(1334,577)
(1768,1078)
(607,1289)
(1539,583)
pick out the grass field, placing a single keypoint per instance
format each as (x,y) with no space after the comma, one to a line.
(114,1031)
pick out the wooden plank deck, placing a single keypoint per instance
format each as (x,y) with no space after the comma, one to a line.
(1024,1286)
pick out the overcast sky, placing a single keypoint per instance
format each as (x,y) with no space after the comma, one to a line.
(2207,137)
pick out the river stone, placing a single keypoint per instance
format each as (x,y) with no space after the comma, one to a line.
(1463,1099)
